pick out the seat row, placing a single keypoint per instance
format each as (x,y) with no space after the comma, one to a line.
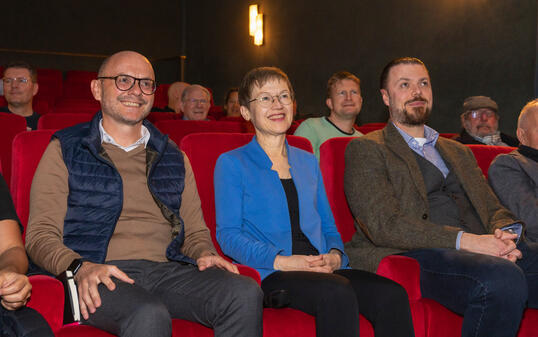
(11,125)
(429,317)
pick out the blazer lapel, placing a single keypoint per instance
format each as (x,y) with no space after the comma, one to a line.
(396,143)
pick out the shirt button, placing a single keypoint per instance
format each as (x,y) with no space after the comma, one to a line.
(424,216)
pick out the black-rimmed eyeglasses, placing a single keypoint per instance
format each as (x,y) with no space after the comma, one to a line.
(126,82)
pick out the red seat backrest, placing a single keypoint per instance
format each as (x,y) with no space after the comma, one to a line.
(50,85)
(368,128)
(62,120)
(161,96)
(77,84)
(332,164)
(177,129)
(203,150)
(485,154)
(10,126)
(155,116)
(448,135)
(28,147)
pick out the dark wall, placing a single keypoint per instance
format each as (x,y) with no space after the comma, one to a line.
(478,47)
(99,27)
(485,47)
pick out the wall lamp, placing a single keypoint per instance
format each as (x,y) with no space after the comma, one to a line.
(256,24)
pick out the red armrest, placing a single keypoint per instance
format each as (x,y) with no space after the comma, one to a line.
(403,270)
(250,272)
(48,299)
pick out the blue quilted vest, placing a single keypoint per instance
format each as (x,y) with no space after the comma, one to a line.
(95,196)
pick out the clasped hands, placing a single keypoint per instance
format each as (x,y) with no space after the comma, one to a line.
(324,263)
(15,289)
(90,275)
(500,243)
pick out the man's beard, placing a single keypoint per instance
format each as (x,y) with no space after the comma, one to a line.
(419,116)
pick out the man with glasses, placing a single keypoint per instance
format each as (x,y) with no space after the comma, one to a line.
(20,87)
(115,202)
(195,103)
(480,122)
(344,101)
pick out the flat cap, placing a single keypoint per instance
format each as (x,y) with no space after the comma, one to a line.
(479,102)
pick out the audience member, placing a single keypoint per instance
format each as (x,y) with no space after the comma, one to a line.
(115,201)
(231,103)
(15,289)
(195,103)
(344,101)
(480,122)
(260,190)
(20,87)
(514,176)
(420,195)
(175,91)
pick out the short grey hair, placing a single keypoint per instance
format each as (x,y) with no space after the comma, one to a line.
(193,87)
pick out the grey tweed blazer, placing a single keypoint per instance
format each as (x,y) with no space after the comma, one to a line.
(514,179)
(387,196)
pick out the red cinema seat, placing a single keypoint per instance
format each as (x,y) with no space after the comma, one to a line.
(485,154)
(430,319)
(203,151)
(332,166)
(161,96)
(380,125)
(177,129)
(28,147)
(231,119)
(448,135)
(10,126)
(50,85)
(76,105)
(216,112)
(77,84)
(368,128)
(62,120)
(155,116)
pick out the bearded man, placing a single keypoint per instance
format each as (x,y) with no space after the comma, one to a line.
(414,193)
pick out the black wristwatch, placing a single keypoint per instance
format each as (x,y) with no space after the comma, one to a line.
(75,266)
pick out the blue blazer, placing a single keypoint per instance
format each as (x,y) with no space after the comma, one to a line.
(253,223)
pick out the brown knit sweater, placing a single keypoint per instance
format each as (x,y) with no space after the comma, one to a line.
(141,232)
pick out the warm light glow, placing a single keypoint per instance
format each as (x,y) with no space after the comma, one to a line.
(253,13)
(258,36)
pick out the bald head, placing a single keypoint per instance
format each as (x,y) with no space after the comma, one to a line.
(124,105)
(122,57)
(527,125)
(174,95)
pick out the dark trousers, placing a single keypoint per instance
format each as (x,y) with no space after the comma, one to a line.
(230,304)
(25,322)
(491,293)
(337,299)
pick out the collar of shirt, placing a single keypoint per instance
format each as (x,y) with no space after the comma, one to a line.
(427,150)
(430,134)
(106,138)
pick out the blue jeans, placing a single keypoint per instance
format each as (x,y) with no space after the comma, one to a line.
(491,293)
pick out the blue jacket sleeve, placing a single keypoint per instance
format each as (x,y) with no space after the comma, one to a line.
(234,242)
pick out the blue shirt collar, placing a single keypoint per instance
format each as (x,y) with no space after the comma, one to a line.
(430,134)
